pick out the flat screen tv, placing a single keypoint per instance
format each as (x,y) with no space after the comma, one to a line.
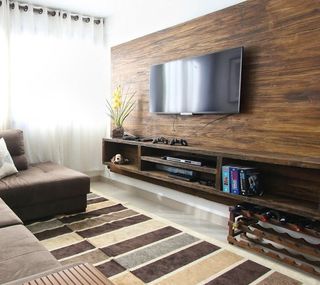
(207,84)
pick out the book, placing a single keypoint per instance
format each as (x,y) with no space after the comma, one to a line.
(250,181)
(234,180)
(225,179)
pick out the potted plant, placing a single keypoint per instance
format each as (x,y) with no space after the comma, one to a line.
(119,108)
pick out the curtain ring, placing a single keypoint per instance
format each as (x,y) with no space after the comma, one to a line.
(12,6)
(97,21)
(64,16)
(23,8)
(38,10)
(53,13)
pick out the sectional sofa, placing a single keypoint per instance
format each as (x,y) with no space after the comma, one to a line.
(42,189)
(36,191)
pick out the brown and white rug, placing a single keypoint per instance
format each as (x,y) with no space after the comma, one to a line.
(133,247)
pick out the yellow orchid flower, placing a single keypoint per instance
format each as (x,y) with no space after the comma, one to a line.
(120,106)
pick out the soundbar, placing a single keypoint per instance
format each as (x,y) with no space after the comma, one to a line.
(182,160)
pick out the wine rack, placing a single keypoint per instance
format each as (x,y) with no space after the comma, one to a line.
(294,243)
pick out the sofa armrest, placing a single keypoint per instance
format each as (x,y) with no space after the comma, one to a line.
(7,216)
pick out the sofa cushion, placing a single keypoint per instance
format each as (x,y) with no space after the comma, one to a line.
(7,216)
(15,145)
(43,182)
(7,166)
(21,254)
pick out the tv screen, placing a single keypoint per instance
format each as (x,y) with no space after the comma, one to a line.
(207,84)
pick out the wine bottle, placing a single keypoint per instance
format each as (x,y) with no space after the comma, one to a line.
(242,207)
(270,214)
(284,218)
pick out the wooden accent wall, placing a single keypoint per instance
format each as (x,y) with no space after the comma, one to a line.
(280,108)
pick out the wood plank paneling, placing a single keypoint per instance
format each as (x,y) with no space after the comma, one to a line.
(280,108)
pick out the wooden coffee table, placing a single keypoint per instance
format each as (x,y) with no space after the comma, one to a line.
(84,274)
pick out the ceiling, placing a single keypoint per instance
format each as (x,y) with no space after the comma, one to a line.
(101,8)
(106,8)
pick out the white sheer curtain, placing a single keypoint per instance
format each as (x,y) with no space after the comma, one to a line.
(4,67)
(58,70)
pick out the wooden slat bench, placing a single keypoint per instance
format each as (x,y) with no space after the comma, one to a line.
(82,274)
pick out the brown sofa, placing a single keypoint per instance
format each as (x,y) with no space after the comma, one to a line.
(22,257)
(36,191)
(42,189)
(21,254)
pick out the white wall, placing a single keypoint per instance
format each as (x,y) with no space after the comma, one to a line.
(133,19)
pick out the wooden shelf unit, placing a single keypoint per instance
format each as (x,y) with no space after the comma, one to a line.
(291,183)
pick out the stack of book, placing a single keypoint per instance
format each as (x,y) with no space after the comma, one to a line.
(241,180)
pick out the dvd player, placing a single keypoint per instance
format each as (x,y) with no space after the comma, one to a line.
(183,160)
(181,176)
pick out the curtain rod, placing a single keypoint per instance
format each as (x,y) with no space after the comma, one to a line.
(53,12)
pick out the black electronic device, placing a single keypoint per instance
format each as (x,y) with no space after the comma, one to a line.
(178,141)
(206,182)
(183,160)
(130,137)
(170,141)
(160,140)
(179,173)
(206,84)
(145,139)
(181,177)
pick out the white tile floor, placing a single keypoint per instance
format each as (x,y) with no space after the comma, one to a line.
(167,209)
(186,217)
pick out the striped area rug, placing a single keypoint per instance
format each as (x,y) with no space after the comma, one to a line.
(133,248)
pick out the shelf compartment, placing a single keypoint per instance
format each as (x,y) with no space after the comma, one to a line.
(129,151)
(160,175)
(159,160)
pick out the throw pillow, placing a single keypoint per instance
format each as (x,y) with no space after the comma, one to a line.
(7,166)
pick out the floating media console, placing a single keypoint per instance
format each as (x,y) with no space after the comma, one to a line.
(291,184)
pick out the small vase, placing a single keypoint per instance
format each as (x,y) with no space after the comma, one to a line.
(117,133)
